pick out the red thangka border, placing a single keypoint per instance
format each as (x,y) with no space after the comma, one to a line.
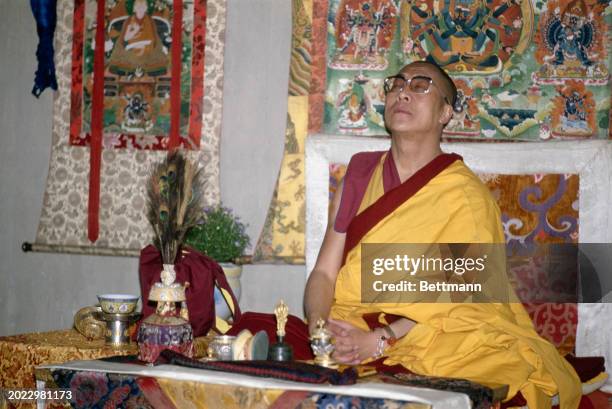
(318,67)
(76,92)
(197,73)
(134,141)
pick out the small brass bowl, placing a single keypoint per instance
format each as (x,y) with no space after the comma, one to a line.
(221,348)
(118,303)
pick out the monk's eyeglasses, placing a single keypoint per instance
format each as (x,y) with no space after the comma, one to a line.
(419,84)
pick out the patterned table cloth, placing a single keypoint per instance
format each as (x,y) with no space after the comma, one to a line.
(103,384)
(20,354)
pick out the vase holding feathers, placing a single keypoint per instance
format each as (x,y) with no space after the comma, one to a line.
(173,201)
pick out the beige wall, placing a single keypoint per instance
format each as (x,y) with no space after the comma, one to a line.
(43,291)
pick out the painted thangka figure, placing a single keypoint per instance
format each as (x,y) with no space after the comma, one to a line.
(359,104)
(364,30)
(574,110)
(138,49)
(570,42)
(467,35)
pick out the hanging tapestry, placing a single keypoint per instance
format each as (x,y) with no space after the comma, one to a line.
(525,71)
(154,82)
(138,73)
(282,238)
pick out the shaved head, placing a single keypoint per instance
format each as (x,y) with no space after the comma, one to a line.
(440,77)
(414,112)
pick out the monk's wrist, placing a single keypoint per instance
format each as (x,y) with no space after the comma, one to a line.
(384,337)
(379,343)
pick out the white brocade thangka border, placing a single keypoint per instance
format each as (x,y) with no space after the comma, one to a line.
(124,229)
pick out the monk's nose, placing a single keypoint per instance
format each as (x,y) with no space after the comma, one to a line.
(404,94)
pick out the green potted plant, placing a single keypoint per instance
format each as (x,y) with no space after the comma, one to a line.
(221,236)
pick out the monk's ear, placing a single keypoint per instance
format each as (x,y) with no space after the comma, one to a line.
(447,114)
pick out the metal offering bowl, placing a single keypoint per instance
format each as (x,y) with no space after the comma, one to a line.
(118,303)
(222,348)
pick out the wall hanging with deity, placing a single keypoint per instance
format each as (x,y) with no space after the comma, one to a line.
(135,78)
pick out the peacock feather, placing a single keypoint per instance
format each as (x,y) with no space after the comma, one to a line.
(174,193)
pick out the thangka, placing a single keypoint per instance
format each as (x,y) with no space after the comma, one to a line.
(524,70)
(138,71)
(131,76)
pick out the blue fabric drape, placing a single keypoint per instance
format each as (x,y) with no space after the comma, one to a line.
(44,14)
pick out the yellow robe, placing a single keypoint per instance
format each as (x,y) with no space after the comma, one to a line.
(485,342)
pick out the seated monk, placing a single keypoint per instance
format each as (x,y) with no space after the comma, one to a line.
(415,193)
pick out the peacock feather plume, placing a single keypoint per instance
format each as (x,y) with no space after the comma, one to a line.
(174,193)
